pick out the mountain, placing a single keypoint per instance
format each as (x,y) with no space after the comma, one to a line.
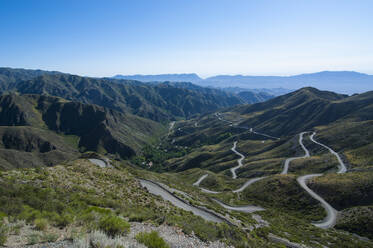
(347,82)
(160,102)
(40,130)
(342,123)
(270,91)
(9,76)
(191,77)
(251,97)
(284,116)
(305,109)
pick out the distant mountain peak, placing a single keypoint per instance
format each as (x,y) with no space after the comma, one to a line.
(311,92)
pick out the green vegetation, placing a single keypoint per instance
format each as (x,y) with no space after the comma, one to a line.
(84,196)
(41,224)
(113,225)
(45,130)
(284,194)
(3,232)
(345,190)
(40,130)
(153,158)
(151,240)
(357,220)
(158,102)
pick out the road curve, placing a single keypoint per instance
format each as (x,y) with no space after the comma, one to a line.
(247,184)
(331,216)
(306,155)
(234,176)
(231,124)
(209,191)
(197,183)
(200,180)
(245,209)
(342,166)
(156,189)
(239,161)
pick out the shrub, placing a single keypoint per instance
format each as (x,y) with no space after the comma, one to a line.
(151,240)
(64,219)
(113,225)
(29,214)
(99,239)
(41,224)
(50,237)
(3,232)
(97,210)
(33,238)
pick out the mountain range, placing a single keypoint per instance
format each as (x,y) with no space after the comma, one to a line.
(160,102)
(76,153)
(347,82)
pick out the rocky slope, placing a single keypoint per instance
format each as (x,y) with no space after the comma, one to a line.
(44,130)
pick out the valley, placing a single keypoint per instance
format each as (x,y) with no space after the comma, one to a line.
(83,155)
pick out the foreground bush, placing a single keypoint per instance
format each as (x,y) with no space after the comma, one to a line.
(151,240)
(3,232)
(100,239)
(113,225)
(41,224)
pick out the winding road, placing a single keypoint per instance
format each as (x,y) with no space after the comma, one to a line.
(156,189)
(342,166)
(247,184)
(200,180)
(306,155)
(242,157)
(328,222)
(231,124)
(331,213)
(234,175)
(245,209)
(331,216)
(252,180)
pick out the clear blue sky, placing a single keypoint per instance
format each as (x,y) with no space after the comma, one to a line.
(209,37)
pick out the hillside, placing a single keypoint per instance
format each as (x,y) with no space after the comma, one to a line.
(251,97)
(303,110)
(41,130)
(69,201)
(342,123)
(9,76)
(238,171)
(161,102)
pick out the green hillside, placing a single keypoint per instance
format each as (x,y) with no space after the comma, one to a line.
(159,102)
(42,130)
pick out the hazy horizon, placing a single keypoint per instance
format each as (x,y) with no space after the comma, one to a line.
(199,75)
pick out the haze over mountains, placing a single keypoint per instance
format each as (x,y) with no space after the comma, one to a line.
(347,82)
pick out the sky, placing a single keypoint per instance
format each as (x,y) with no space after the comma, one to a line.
(207,37)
